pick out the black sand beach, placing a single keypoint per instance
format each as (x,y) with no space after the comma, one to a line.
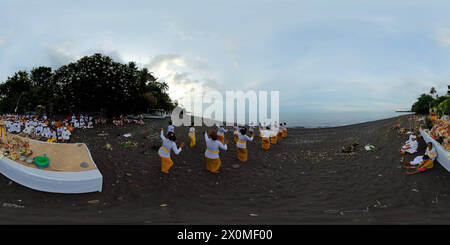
(304,179)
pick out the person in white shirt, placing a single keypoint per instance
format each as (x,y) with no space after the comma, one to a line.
(170,128)
(168,144)
(410,148)
(221,133)
(430,151)
(65,135)
(192,135)
(212,152)
(241,145)
(236,133)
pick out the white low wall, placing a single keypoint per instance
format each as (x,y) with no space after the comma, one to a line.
(443,156)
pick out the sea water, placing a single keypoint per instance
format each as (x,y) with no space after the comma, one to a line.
(333,119)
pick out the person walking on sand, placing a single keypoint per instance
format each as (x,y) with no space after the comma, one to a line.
(424,165)
(241,145)
(221,133)
(212,152)
(168,144)
(192,135)
(430,151)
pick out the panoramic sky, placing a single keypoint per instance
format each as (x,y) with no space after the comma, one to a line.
(321,55)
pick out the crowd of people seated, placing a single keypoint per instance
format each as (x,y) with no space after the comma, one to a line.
(41,127)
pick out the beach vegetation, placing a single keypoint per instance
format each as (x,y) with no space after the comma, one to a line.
(91,84)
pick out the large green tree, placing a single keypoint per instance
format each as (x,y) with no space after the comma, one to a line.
(91,84)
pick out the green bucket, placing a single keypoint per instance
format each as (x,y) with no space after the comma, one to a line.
(41,161)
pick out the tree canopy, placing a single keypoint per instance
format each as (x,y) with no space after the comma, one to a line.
(89,85)
(426,101)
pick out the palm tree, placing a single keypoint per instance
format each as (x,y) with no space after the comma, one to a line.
(432,91)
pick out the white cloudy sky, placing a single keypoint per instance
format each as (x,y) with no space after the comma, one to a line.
(321,55)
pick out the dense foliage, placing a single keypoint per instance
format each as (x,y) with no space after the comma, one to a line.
(426,102)
(90,85)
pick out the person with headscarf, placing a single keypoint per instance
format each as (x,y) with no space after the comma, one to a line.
(192,135)
(410,147)
(221,133)
(241,145)
(168,144)
(212,158)
(430,151)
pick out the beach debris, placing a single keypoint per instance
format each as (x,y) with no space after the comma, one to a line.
(129,144)
(120,198)
(253,215)
(103,134)
(380,175)
(126,135)
(128,174)
(414,190)
(94,201)
(163,205)
(235,165)
(108,147)
(12,205)
(369,147)
(379,205)
(10,182)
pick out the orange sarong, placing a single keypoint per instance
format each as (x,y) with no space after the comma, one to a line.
(280,134)
(213,165)
(273,140)
(236,138)
(192,144)
(265,143)
(242,154)
(166,164)
(221,138)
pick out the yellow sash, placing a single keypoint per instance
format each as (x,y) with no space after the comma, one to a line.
(164,149)
(212,151)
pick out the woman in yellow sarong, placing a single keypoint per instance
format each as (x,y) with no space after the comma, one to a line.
(236,133)
(220,134)
(241,145)
(192,135)
(265,138)
(284,131)
(273,136)
(280,131)
(168,144)
(213,162)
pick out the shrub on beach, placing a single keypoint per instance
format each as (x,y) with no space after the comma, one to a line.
(91,84)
